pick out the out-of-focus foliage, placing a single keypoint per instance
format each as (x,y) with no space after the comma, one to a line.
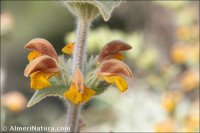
(164,92)
(105,35)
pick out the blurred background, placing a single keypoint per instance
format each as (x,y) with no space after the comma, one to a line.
(164,92)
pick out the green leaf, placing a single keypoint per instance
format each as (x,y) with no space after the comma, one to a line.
(92,7)
(56,89)
(105,7)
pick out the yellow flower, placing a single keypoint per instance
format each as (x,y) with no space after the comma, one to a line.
(68,49)
(113,71)
(78,92)
(189,80)
(14,101)
(178,54)
(42,66)
(170,100)
(165,126)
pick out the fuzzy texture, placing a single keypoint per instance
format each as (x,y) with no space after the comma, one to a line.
(90,9)
(83,10)
(80,44)
(79,54)
(73,116)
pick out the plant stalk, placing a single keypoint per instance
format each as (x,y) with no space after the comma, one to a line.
(80,43)
(78,56)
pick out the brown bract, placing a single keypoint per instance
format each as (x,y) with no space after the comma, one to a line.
(77,79)
(112,48)
(42,46)
(114,67)
(42,63)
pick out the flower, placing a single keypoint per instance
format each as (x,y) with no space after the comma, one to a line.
(7,22)
(178,54)
(189,80)
(191,123)
(68,49)
(78,92)
(14,101)
(167,125)
(183,33)
(170,100)
(43,63)
(112,50)
(111,69)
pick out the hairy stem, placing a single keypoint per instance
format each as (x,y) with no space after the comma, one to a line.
(73,116)
(80,44)
(78,56)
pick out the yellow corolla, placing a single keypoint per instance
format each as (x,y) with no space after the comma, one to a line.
(113,71)
(68,49)
(78,92)
(42,66)
(165,126)
(170,100)
(178,54)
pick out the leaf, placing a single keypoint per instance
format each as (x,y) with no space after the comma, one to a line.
(105,8)
(91,80)
(89,64)
(57,89)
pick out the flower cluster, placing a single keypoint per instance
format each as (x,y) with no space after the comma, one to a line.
(44,64)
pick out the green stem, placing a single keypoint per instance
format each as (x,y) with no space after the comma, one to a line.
(78,56)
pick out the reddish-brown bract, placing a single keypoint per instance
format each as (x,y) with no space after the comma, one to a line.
(114,67)
(112,48)
(43,63)
(77,79)
(42,46)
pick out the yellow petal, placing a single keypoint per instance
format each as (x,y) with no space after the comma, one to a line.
(33,54)
(118,56)
(77,97)
(39,80)
(118,81)
(68,49)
